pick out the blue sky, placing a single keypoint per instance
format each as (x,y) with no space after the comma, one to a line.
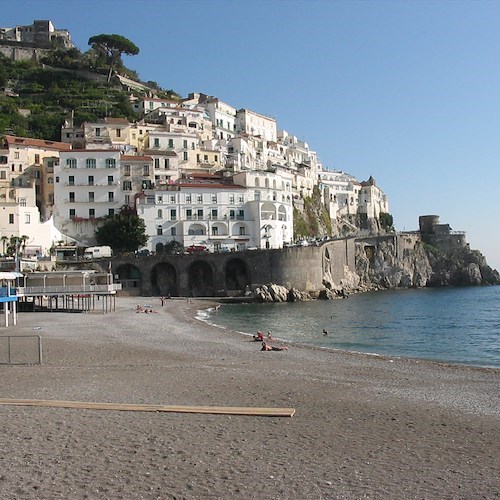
(405,91)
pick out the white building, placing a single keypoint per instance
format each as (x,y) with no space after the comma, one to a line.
(87,188)
(253,211)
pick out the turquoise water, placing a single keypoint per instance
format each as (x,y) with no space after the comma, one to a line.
(457,325)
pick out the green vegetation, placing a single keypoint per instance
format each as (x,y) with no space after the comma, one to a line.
(314,221)
(124,232)
(387,222)
(38,97)
(111,48)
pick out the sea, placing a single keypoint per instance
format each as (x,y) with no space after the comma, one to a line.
(451,325)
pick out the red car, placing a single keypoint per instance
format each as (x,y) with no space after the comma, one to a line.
(196,249)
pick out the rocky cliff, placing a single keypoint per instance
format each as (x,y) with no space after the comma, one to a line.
(402,261)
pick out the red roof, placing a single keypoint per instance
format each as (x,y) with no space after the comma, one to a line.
(11,140)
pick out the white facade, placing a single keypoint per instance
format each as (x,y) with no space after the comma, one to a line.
(220,215)
(250,122)
(87,187)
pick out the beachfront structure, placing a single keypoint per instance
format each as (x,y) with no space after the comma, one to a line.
(250,210)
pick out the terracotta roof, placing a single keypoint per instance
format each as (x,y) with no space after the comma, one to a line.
(121,121)
(11,140)
(135,158)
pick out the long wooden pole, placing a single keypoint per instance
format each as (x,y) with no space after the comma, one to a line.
(223,410)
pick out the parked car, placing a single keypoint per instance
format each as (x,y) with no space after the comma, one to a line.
(196,249)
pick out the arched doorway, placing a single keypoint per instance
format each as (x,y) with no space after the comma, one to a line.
(130,278)
(201,279)
(236,276)
(164,279)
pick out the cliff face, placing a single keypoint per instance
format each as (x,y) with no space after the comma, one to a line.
(384,268)
(422,266)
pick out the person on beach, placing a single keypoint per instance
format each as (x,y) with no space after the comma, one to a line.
(270,337)
(266,347)
(259,336)
(325,332)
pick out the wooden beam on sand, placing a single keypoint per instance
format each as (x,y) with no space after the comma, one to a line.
(219,410)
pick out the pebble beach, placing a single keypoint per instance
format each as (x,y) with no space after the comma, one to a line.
(364,426)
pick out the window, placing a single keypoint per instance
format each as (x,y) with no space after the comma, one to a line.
(11,218)
(166,163)
(257,182)
(118,132)
(214,213)
(127,199)
(173,214)
(172,198)
(127,185)
(156,142)
(51,198)
(50,180)
(200,213)
(159,230)
(37,159)
(91,197)
(71,163)
(232,214)
(126,170)
(173,231)
(71,197)
(242,230)
(157,163)
(231,198)
(215,231)
(110,163)
(3,174)
(111,196)
(240,198)
(189,214)
(22,202)
(185,144)
(257,195)
(71,180)
(90,163)
(98,132)
(185,156)
(200,198)
(91,213)
(110,180)
(72,213)
(160,213)
(16,155)
(145,170)
(214,197)
(151,105)
(170,143)
(111,211)
(241,214)
(91,180)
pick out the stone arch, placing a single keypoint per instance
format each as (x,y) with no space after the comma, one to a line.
(164,279)
(268,211)
(257,182)
(282,213)
(130,278)
(240,229)
(236,275)
(196,229)
(201,279)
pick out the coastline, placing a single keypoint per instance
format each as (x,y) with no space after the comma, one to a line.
(364,426)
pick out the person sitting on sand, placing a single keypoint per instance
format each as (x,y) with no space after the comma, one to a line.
(270,337)
(259,336)
(266,347)
(325,332)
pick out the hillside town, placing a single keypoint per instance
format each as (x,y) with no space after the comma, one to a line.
(197,170)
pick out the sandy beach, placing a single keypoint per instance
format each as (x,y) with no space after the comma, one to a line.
(365,427)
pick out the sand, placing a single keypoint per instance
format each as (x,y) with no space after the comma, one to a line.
(365,427)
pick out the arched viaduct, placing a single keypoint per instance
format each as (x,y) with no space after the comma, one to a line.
(233,273)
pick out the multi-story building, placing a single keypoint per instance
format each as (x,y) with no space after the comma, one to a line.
(251,210)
